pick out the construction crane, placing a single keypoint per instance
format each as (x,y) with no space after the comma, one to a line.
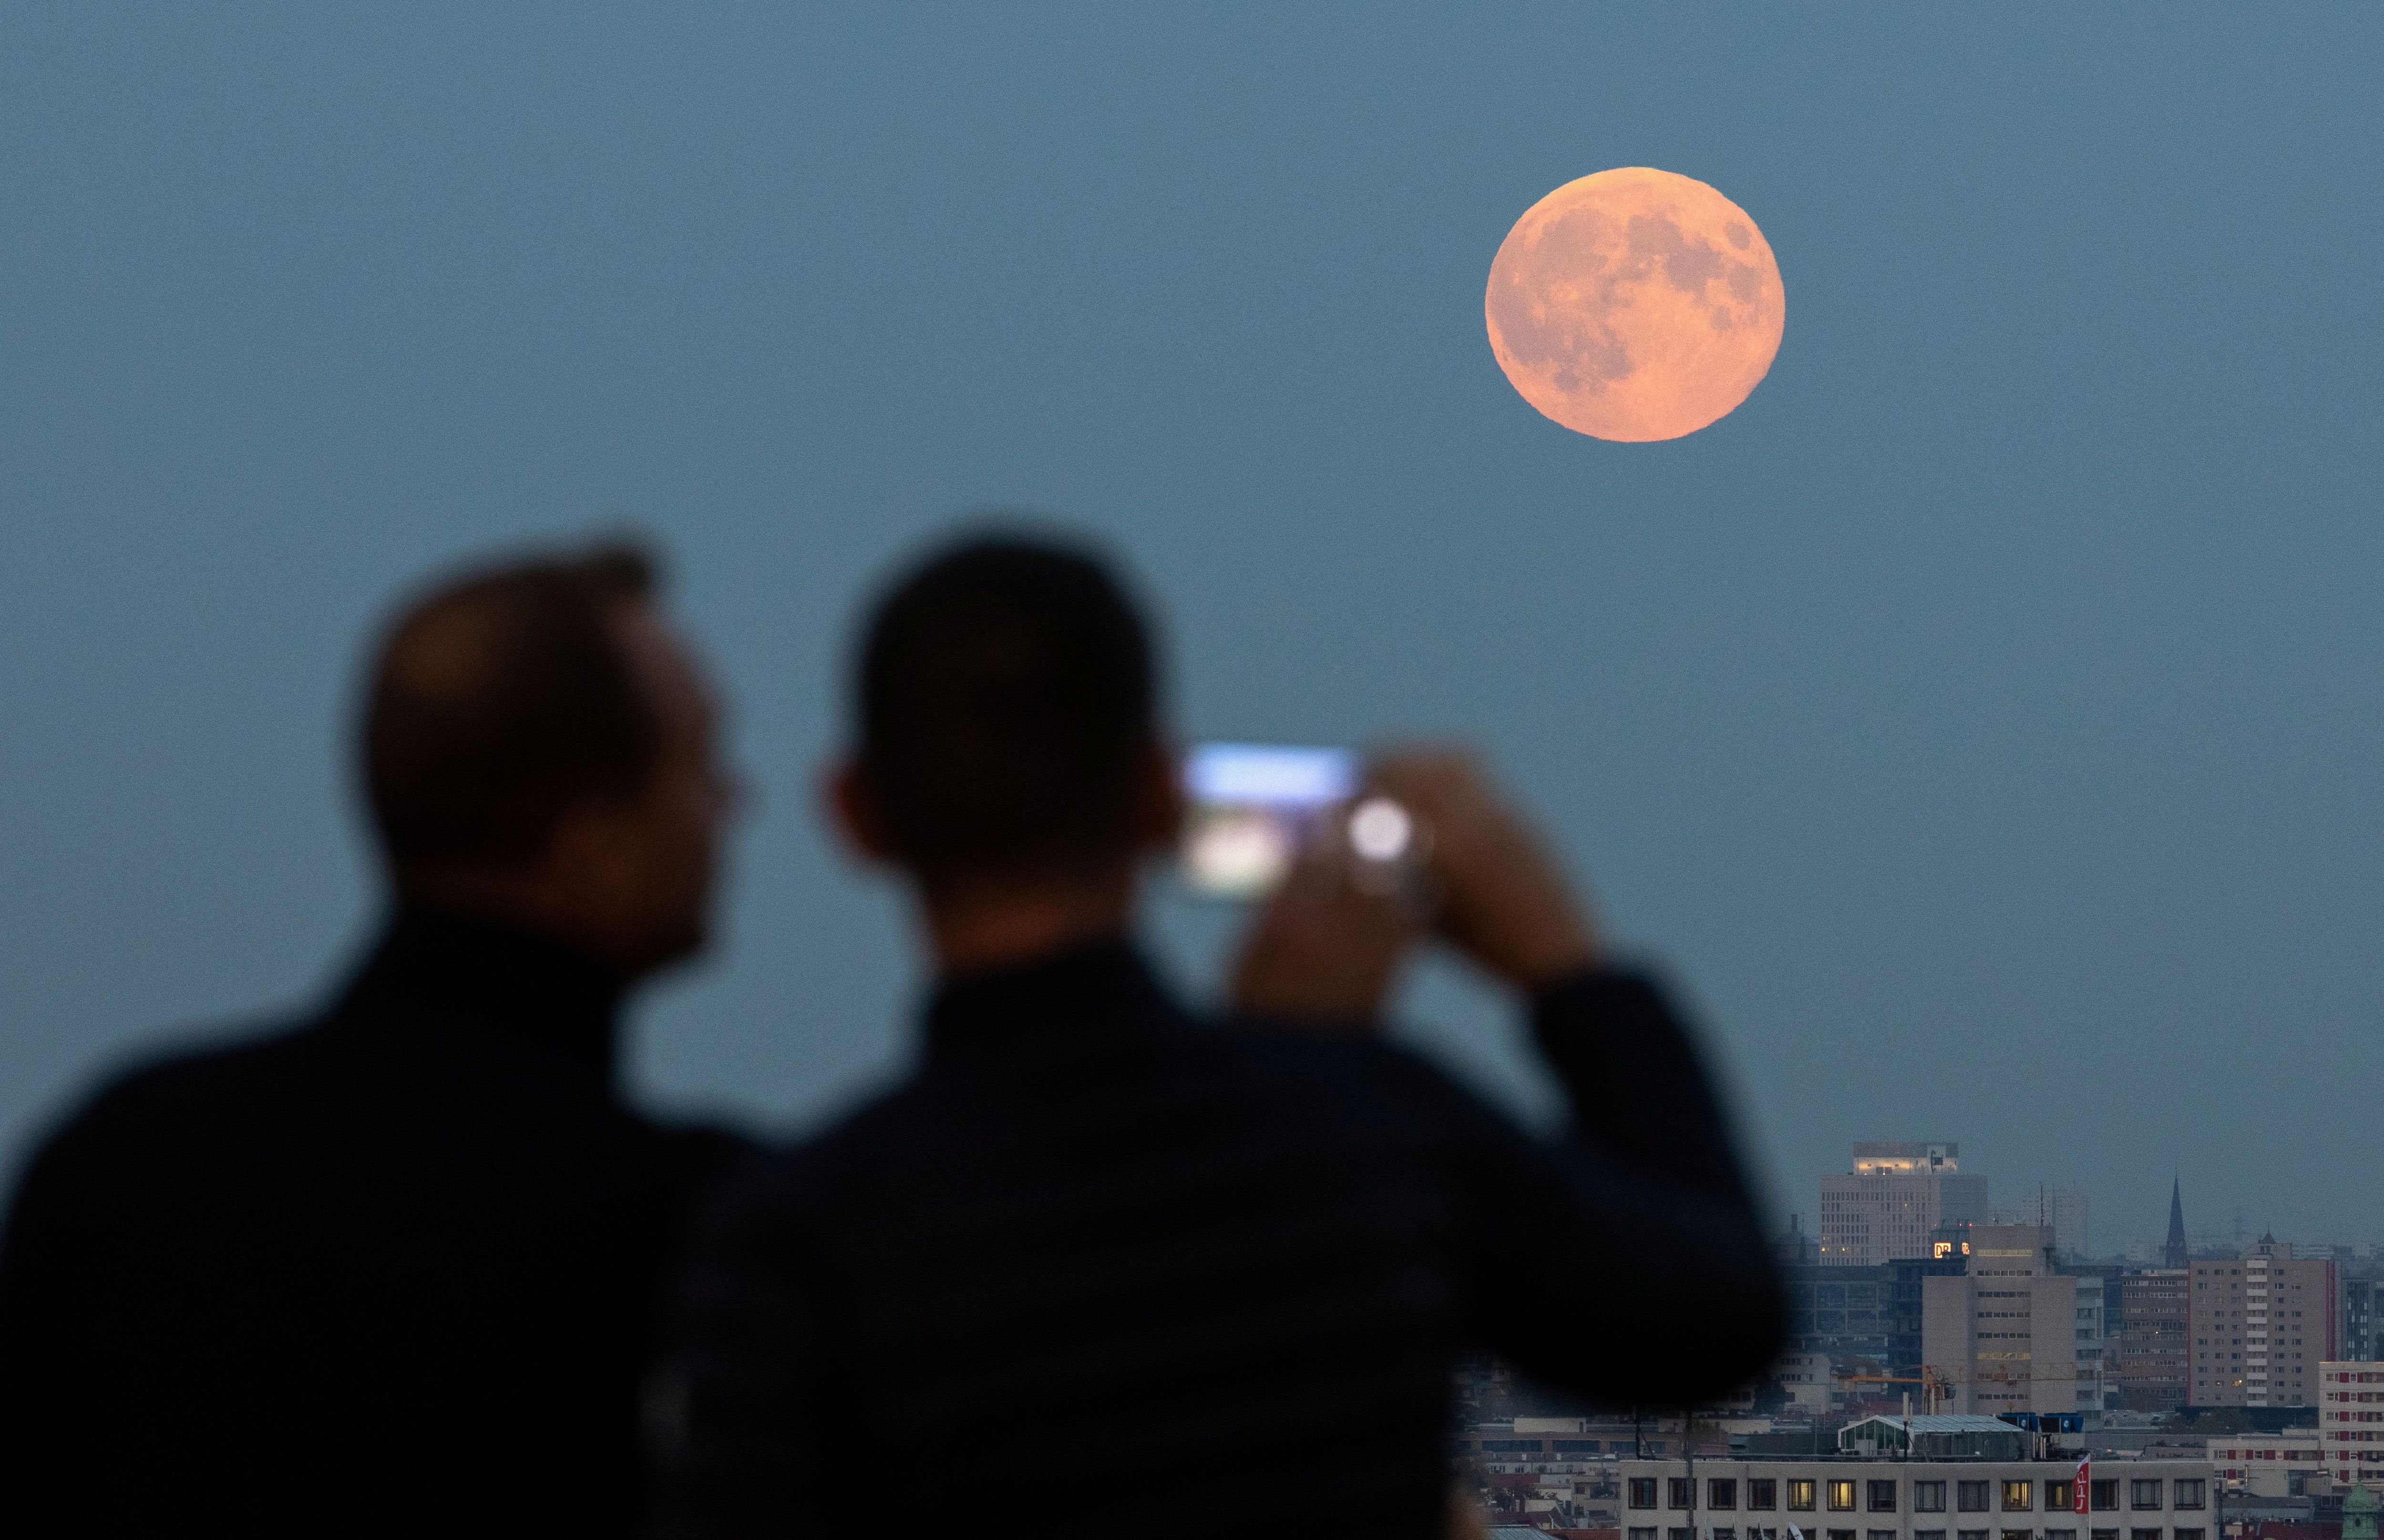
(1934,1385)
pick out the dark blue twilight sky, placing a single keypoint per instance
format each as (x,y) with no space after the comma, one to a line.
(1984,722)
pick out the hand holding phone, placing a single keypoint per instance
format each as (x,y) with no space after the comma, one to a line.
(1328,944)
(1252,808)
(1324,949)
(1503,898)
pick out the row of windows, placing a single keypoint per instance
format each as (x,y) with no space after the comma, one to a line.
(1763,1494)
(1559,1445)
(1725,1533)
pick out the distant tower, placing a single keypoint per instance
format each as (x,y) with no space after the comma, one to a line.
(2176,1257)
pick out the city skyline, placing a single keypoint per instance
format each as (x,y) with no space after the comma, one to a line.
(2111,1236)
(2044,1201)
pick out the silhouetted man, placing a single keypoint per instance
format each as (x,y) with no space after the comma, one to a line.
(1099,1268)
(394,1270)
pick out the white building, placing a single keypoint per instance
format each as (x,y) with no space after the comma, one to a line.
(1889,1206)
(2351,1421)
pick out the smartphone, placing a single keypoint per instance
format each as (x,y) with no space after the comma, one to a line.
(1251,806)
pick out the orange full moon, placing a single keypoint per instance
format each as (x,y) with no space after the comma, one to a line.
(1634,304)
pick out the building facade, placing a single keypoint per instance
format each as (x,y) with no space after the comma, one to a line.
(2061,1211)
(2098,1330)
(2154,1359)
(2351,1421)
(2289,1464)
(1892,1202)
(1850,1498)
(2262,1323)
(2358,1336)
(1846,1312)
(2004,1337)
(1867,1320)
(1810,1383)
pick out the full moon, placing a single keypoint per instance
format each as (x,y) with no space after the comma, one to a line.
(1634,304)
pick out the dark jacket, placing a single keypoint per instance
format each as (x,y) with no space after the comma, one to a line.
(1099,1269)
(394,1272)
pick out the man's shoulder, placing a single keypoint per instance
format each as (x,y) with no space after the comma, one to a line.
(159,1101)
(278,1087)
(200,1071)
(1231,1059)
(1261,1075)
(1340,1064)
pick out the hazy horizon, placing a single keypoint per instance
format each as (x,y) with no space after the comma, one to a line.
(1982,724)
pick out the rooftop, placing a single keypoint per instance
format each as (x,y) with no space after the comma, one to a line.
(1939,1422)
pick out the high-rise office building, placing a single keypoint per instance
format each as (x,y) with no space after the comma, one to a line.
(1889,1206)
(2262,1323)
(2359,1291)
(2155,1341)
(1868,1321)
(2004,1335)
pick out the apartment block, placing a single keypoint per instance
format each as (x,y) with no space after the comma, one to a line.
(1891,1205)
(2262,1323)
(2004,1335)
(2351,1421)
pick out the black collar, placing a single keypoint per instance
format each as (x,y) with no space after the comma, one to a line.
(489,983)
(1102,983)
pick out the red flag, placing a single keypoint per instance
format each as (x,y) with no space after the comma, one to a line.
(2085,1480)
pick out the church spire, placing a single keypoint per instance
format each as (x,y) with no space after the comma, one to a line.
(2176,1256)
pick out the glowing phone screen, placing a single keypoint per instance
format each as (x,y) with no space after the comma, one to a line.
(1252,805)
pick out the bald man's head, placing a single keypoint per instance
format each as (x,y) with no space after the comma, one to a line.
(501,699)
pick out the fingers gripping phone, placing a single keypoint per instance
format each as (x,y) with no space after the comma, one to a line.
(1254,807)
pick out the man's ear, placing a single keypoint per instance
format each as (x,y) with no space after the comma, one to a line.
(1158,800)
(851,811)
